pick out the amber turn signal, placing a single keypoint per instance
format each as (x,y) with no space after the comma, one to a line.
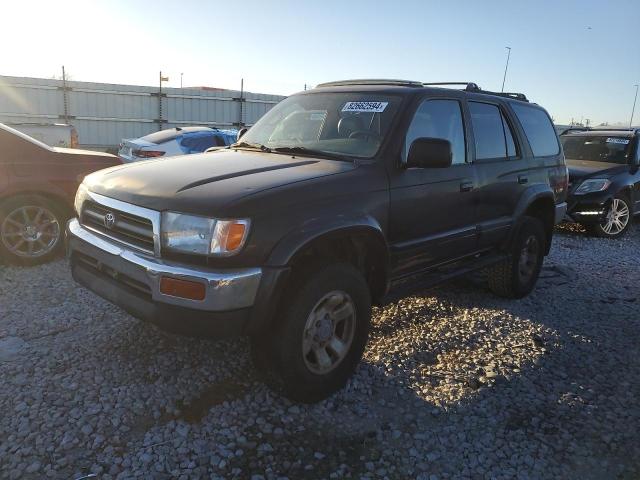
(182,288)
(235,236)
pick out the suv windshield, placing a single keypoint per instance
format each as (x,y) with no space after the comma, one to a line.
(597,148)
(351,124)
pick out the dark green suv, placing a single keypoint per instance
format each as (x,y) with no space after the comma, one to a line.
(338,198)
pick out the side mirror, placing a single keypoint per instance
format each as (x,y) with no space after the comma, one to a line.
(241,132)
(429,153)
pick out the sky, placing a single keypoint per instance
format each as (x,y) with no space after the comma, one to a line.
(579,59)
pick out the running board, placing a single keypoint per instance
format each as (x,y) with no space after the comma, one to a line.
(422,281)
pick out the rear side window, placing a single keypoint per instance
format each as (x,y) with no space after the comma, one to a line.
(439,119)
(538,129)
(493,136)
(198,142)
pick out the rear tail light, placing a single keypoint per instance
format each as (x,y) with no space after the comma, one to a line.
(148,153)
(559,182)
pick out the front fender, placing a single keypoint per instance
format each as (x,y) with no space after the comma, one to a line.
(321,227)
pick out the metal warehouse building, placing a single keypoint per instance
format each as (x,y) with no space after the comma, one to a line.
(103,114)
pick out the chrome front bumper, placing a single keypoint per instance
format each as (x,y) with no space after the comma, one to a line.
(561,211)
(225,289)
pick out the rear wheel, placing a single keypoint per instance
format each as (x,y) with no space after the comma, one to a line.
(320,336)
(617,220)
(517,275)
(31,229)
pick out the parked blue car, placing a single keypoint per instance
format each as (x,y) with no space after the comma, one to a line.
(175,141)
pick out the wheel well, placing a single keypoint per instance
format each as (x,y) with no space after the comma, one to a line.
(544,210)
(61,202)
(364,251)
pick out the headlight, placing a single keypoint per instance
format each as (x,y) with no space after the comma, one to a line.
(203,236)
(81,196)
(593,185)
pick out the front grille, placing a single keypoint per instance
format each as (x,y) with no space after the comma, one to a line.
(126,227)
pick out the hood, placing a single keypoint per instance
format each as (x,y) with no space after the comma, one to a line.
(207,183)
(581,169)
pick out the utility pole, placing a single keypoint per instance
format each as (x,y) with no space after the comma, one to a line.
(160,121)
(65,96)
(633,110)
(506,67)
(181,79)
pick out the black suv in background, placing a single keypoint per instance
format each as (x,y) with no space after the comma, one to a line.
(604,176)
(338,198)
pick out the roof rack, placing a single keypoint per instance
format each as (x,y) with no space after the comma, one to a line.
(371,81)
(473,87)
(469,86)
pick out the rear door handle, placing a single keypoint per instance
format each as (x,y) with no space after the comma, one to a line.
(466,186)
(522,179)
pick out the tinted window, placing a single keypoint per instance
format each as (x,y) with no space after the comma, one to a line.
(439,119)
(597,148)
(198,142)
(508,135)
(492,133)
(538,129)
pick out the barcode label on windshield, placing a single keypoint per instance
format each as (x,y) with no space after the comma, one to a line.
(373,107)
(621,141)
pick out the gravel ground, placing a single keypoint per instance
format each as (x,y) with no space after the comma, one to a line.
(456,383)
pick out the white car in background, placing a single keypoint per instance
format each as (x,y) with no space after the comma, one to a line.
(174,141)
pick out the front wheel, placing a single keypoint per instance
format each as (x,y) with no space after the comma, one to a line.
(516,276)
(31,229)
(616,222)
(321,335)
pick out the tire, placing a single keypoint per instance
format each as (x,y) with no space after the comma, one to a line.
(516,276)
(339,296)
(619,204)
(31,229)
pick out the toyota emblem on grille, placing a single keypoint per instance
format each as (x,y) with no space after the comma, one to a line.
(109,220)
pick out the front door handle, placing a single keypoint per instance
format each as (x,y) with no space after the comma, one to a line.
(522,179)
(466,186)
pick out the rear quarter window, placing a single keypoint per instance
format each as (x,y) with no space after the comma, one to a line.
(539,130)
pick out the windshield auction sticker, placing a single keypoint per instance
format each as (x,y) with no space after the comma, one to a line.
(372,107)
(621,141)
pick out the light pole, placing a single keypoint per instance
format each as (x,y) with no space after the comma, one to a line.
(181,79)
(506,67)
(633,110)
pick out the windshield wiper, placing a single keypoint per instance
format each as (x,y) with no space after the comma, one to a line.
(257,146)
(310,151)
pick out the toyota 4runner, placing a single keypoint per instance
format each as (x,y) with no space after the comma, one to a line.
(338,198)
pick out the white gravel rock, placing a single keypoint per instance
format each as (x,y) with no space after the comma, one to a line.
(456,383)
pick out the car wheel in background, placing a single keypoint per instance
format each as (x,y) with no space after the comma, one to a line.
(31,229)
(320,336)
(617,221)
(516,276)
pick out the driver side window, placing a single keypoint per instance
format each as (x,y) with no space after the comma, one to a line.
(439,119)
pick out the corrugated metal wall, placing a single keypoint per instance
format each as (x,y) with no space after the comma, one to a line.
(104,114)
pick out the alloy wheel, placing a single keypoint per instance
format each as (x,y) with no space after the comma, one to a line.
(528,259)
(30,231)
(329,332)
(617,217)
